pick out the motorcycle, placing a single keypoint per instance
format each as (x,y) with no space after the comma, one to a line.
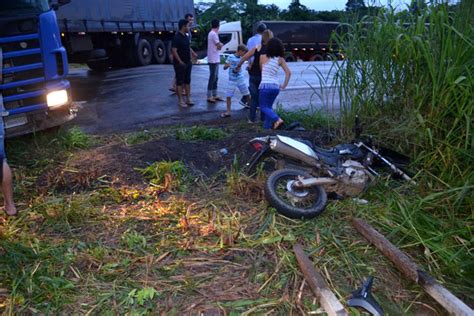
(297,189)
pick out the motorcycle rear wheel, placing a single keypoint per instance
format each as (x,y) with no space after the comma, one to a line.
(300,204)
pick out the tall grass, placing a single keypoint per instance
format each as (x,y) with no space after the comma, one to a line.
(410,77)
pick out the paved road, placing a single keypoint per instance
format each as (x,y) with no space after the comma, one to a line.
(136,98)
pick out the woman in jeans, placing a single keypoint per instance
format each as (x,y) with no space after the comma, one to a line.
(270,86)
(255,73)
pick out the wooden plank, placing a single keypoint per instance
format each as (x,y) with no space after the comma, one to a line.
(410,269)
(325,296)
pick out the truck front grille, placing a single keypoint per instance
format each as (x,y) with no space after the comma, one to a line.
(22,72)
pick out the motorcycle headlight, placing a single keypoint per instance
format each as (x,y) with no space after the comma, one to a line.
(57,98)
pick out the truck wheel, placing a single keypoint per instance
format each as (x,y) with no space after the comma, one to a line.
(290,59)
(143,52)
(316,57)
(159,51)
(169,55)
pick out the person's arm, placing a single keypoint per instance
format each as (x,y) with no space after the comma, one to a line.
(174,52)
(287,73)
(193,54)
(246,57)
(216,41)
(176,56)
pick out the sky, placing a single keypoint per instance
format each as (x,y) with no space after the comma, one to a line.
(328,5)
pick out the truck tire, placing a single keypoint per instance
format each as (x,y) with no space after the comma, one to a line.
(316,57)
(143,52)
(159,51)
(169,55)
(290,59)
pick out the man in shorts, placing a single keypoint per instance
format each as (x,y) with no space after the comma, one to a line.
(182,64)
(236,79)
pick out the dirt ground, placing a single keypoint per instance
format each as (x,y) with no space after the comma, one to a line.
(118,163)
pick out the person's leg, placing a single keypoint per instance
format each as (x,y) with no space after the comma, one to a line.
(266,98)
(7,190)
(187,84)
(216,78)
(212,82)
(231,86)
(179,71)
(254,82)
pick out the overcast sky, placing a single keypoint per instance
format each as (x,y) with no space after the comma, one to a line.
(328,5)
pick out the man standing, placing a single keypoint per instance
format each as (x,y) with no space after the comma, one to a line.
(253,42)
(256,40)
(213,58)
(190,18)
(182,63)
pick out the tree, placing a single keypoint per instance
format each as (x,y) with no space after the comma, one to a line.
(298,12)
(354,5)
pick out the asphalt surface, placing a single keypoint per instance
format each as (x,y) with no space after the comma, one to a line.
(137,98)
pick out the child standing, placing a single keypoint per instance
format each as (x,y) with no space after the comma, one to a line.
(236,79)
(270,86)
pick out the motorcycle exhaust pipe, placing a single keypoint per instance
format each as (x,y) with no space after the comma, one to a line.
(286,150)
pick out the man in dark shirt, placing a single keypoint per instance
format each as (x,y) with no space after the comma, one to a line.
(182,63)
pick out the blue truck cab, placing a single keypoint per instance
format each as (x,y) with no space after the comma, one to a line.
(34,92)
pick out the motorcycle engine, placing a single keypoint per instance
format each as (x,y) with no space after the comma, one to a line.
(353,180)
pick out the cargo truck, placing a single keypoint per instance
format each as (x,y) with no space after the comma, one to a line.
(120,33)
(306,40)
(34,93)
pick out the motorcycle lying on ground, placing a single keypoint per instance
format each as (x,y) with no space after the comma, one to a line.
(298,188)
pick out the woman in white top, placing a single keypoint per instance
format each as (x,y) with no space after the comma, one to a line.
(270,85)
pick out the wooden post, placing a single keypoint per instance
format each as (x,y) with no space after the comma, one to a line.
(410,269)
(325,296)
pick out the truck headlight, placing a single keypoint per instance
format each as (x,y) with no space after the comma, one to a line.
(57,98)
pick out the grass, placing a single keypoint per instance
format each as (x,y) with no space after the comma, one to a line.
(169,175)
(210,246)
(200,133)
(309,118)
(214,245)
(412,85)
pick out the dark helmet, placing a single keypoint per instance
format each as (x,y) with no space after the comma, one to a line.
(261,27)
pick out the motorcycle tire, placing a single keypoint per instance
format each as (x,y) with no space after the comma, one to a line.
(317,201)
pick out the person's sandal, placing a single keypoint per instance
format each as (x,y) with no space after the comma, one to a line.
(218,99)
(190,103)
(278,124)
(225,115)
(211,101)
(183,105)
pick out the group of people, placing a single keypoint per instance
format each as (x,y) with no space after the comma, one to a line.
(265,55)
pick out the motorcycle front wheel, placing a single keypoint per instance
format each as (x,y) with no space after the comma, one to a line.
(294,203)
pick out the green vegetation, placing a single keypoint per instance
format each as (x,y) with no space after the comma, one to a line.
(412,84)
(170,175)
(309,118)
(214,244)
(200,133)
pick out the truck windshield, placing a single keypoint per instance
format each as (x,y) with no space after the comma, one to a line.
(9,7)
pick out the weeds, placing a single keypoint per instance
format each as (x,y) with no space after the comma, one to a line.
(409,76)
(168,175)
(309,118)
(200,133)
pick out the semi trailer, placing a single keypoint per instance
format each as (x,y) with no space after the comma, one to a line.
(307,40)
(120,33)
(34,92)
